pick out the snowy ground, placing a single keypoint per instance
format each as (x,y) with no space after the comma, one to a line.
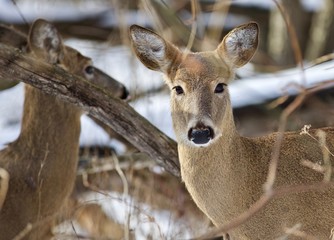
(145,222)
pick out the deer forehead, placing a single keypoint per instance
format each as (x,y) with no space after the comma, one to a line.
(201,69)
(74,61)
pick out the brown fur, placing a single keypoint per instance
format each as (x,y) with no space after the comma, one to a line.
(42,162)
(225,176)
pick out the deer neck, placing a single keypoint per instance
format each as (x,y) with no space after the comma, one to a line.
(49,123)
(193,157)
(206,169)
(197,159)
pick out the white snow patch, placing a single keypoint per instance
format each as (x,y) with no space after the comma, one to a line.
(309,5)
(263,87)
(145,222)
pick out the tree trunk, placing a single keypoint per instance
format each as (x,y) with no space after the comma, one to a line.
(322,32)
(279,41)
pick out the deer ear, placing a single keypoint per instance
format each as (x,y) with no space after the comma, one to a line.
(239,45)
(45,41)
(152,50)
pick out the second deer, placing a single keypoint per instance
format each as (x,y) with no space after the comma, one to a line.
(42,162)
(223,171)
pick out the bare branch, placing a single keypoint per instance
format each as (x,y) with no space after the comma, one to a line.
(115,113)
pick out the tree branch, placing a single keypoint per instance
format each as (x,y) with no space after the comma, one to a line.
(115,113)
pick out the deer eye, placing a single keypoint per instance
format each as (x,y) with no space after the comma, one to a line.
(220,88)
(178,90)
(89,70)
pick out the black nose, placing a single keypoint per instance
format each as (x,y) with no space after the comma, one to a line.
(200,134)
(125,94)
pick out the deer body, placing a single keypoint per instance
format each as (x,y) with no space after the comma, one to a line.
(223,171)
(37,179)
(42,162)
(228,182)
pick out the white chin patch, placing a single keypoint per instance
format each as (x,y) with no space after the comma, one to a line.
(200,145)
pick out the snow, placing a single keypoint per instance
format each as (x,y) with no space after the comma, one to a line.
(309,5)
(145,222)
(143,219)
(10,113)
(263,87)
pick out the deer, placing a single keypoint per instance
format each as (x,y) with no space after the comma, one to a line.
(38,169)
(223,171)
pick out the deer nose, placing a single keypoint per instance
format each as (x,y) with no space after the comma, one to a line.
(200,134)
(125,93)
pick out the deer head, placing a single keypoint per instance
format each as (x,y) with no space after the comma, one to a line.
(43,35)
(200,102)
